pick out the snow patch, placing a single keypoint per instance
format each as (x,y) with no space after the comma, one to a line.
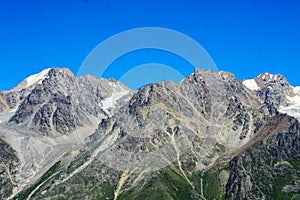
(14,110)
(111,102)
(37,78)
(293,109)
(251,84)
(297,90)
(112,84)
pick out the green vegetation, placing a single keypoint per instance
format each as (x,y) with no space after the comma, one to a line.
(277,192)
(24,194)
(6,152)
(211,185)
(284,179)
(167,185)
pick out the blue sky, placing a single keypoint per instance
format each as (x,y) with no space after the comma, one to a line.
(243,37)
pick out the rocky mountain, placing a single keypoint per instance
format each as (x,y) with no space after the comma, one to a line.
(62,103)
(51,113)
(9,100)
(276,91)
(209,137)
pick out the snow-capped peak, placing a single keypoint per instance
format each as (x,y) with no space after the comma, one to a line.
(267,77)
(37,78)
(32,80)
(278,91)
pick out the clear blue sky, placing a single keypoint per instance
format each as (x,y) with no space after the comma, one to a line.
(243,37)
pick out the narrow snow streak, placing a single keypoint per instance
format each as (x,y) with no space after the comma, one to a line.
(111,102)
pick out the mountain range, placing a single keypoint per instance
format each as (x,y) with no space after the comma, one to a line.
(210,136)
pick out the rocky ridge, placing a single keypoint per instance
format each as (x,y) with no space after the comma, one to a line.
(209,137)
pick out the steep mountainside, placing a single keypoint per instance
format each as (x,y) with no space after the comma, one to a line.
(209,137)
(62,103)
(8,166)
(52,113)
(9,100)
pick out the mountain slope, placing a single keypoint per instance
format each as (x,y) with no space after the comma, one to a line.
(209,137)
(168,139)
(63,103)
(8,166)
(53,112)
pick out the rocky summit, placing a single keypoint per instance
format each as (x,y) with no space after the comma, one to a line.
(209,137)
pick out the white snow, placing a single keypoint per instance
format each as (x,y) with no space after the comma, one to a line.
(251,84)
(294,108)
(112,84)
(37,78)
(111,102)
(297,90)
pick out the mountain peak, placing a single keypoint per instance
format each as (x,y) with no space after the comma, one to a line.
(61,71)
(275,90)
(268,80)
(226,75)
(32,80)
(267,77)
(38,78)
(276,82)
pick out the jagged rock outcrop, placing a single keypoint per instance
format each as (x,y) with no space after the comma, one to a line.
(274,89)
(9,163)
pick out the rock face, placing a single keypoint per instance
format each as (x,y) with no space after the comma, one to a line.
(274,89)
(10,100)
(209,137)
(62,103)
(8,168)
(268,170)
(51,113)
(207,112)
